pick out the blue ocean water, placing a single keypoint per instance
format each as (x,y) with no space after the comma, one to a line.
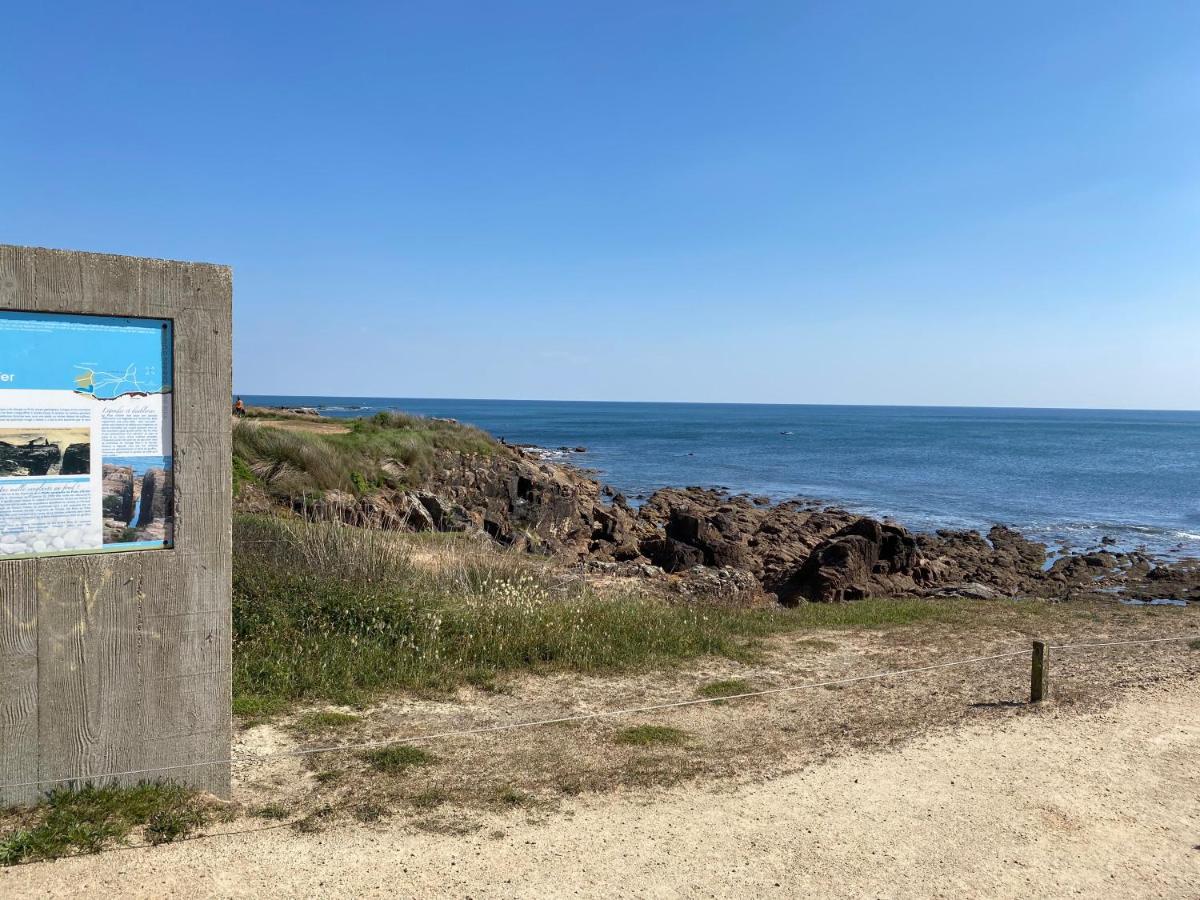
(1062,476)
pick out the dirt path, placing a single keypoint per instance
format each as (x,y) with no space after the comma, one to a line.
(1047,805)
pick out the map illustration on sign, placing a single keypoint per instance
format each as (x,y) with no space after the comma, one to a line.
(85,434)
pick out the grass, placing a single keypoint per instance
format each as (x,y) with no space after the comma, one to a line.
(729,687)
(509,797)
(272,811)
(387,449)
(324,720)
(1194,645)
(332,614)
(646,735)
(429,798)
(89,819)
(398,759)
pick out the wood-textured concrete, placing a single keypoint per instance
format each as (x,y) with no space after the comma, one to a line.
(118,662)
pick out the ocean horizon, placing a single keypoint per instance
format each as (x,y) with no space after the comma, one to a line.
(1069,477)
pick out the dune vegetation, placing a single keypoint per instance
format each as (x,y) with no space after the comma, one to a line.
(339,614)
(387,449)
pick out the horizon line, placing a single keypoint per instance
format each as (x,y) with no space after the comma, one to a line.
(1162,409)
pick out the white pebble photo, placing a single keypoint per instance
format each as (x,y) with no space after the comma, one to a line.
(55,539)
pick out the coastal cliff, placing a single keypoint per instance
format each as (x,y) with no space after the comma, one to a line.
(411,474)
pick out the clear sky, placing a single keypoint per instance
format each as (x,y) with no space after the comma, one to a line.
(835,202)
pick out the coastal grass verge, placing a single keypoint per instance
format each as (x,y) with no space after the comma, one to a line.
(327,613)
(387,449)
(71,821)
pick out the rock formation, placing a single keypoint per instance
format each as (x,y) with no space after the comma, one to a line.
(35,457)
(76,460)
(156,500)
(119,500)
(705,541)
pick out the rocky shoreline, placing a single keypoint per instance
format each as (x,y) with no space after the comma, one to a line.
(703,541)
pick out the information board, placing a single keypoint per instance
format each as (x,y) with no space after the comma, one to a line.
(85,434)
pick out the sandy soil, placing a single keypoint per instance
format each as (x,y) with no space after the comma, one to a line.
(1050,804)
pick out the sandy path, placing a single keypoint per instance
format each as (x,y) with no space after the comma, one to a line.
(1043,805)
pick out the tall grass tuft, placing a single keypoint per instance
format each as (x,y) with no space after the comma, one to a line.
(386,449)
(337,613)
(333,613)
(290,462)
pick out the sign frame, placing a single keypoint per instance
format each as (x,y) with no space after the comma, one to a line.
(123,499)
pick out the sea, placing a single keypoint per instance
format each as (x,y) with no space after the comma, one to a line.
(1070,478)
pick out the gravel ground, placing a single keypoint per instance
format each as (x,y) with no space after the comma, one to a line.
(1059,802)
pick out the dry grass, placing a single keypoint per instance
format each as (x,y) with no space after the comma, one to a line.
(737,739)
(325,612)
(290,456)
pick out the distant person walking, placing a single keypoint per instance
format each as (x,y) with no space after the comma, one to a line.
(239,408)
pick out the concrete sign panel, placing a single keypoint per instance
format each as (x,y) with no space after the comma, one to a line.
(115,542)
(85,434)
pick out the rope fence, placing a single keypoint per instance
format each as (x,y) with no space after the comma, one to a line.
(1039,670)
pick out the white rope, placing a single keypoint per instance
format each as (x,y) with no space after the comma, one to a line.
(1121,643)
(580,717)
(489,729)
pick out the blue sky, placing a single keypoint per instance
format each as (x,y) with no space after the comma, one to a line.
(952,202)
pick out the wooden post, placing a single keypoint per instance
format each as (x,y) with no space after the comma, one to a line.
(1039,680)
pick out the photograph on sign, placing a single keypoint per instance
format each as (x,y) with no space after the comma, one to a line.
(85,434)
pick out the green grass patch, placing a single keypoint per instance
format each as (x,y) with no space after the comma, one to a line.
(325,720)
(874,612)
(89,819)
(386,449)
(429,798)
(330,614)
(273,811)
(242,475)
(326,613)
(646,735)
(511,798)
(398,759)
(728,687)
(1194,645)
(256,708)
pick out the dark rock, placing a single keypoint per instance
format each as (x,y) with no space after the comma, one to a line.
(155,498)
(77,460)
(36,457)
(671,555)
(863,558)
(118,499)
